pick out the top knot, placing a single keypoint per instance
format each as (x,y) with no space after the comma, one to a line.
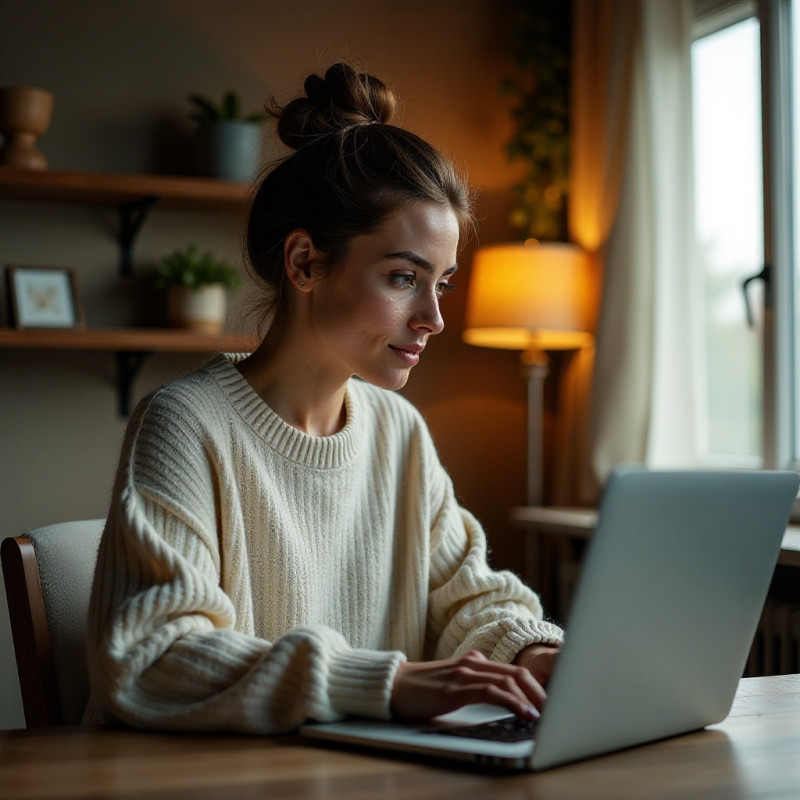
(343,99)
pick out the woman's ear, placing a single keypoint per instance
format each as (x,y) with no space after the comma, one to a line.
(299,260)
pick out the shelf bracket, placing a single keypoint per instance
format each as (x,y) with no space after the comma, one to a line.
(132,216)
(128,365)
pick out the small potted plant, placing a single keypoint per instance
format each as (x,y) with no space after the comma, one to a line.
(196,284)
(228,141)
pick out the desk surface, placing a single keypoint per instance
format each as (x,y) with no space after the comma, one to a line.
(755,752)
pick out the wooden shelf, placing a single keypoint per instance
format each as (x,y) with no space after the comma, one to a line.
(171,191)
(131,346)
(140,340)
(133,196)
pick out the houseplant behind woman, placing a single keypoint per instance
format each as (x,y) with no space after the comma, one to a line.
(196,284)
(283,543)
(228,141)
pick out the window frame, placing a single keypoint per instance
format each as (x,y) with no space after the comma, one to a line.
(779,326)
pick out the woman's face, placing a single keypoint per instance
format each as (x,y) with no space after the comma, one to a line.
(373,314)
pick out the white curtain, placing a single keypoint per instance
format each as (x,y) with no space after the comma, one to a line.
(672,433)
(631,205)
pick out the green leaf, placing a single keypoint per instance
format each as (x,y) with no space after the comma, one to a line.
(231,105)
(206,111)
(191,268)
(230,108)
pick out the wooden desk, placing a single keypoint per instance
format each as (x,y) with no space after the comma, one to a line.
(755,752)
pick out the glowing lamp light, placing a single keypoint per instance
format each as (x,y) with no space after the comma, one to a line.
(532,297)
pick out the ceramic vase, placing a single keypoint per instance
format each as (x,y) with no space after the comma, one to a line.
(24,116)
(200,310)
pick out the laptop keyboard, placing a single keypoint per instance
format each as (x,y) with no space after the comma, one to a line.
(508,729)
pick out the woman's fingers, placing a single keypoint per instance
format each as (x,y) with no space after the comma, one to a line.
(513,677)
(427,689)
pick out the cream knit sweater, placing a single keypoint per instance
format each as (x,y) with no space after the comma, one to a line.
(251,576)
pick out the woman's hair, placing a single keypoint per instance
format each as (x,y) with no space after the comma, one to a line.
(350,170)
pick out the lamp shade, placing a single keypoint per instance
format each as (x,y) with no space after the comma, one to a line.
(531,296)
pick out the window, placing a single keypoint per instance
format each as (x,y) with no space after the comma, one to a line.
(746,108)
(729,224)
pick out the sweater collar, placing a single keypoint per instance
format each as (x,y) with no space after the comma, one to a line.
(319,452)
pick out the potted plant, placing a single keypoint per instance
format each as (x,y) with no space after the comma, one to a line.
(228,141)
(196,284)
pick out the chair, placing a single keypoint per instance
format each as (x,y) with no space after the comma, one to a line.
(48,576)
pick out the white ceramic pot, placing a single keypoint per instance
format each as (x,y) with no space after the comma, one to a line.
(201,310)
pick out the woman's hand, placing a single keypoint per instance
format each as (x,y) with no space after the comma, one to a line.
(428,688)
(539,660)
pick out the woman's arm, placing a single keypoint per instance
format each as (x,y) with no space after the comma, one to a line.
(471,606)
(486,631)
(164,652)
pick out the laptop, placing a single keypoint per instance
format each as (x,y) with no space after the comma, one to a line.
(660,627)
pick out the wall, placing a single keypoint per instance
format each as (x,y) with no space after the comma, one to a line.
(120,73)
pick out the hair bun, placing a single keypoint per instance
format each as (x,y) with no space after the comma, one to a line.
(341,100)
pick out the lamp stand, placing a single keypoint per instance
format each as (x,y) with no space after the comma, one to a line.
(535,369)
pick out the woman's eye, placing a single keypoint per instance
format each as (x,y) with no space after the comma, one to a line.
(404,281)
(408,281)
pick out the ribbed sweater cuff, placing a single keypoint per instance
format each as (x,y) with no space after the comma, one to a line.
(534,632)
(360,682)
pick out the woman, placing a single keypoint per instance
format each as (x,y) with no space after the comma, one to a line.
(283,543)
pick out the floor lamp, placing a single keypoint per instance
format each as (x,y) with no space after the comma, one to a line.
(533,297)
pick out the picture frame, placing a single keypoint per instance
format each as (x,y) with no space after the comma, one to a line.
(42,296)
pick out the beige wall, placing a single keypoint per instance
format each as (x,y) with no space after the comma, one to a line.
(120,72)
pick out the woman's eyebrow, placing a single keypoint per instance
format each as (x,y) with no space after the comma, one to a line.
(419,261)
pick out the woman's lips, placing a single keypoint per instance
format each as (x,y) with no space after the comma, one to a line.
(409,353)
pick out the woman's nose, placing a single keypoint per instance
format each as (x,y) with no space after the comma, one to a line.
(427,316)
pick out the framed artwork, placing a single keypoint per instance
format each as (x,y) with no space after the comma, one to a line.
(43,297)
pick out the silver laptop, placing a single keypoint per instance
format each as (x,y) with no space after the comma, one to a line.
(661,624)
